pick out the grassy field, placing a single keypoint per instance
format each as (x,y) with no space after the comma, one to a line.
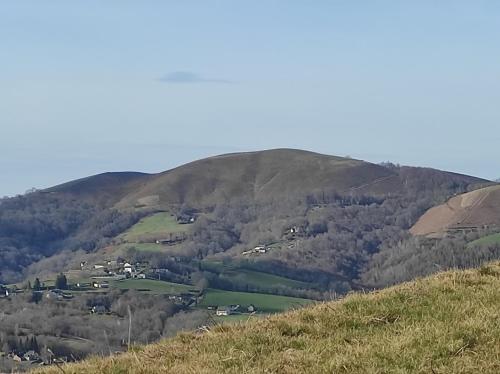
(216,266)
(157,224)
(265,280)
(487,240)
(255,278)
(264,303)
(448,323)
(152,286)
(148,247)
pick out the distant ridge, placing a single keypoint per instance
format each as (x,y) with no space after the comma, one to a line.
(261,175)
(256,176)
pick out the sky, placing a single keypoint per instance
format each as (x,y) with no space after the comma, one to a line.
(89,86)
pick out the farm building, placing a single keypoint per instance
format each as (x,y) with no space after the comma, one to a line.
(223,311)
(128,268)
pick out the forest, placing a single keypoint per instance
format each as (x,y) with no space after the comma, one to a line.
(329,242)
(343,241)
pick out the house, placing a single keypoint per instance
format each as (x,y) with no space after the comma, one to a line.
(186,219)
(234,308)
(54,295)
(82,285)
(98,309)
(128,268)
(4,292)
(161,271)
(32,356)
(260,249)
(223,311)
(293,232)
(100,284)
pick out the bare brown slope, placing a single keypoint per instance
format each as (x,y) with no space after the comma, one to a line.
(471,210)
(271,174)
(106,187)
(258,175)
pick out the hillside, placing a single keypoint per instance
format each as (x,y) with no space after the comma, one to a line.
(243,200)
(105,187)
(476,209)
(260,175)
(256,176)
(448,323)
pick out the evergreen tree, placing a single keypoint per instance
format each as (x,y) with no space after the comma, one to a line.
(37,286)
(36,297)
(61,282)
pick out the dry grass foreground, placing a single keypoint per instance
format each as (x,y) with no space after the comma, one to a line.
(449,323)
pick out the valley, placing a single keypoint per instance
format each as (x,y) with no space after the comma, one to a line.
(141,257)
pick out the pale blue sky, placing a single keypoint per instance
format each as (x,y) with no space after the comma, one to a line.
(88,86)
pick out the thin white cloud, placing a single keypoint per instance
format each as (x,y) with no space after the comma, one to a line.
(178,77)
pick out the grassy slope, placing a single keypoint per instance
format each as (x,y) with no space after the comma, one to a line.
(261,175)
(487,240)
(265,280)
(157,224)
(449,323)
(154,286)
(252,277)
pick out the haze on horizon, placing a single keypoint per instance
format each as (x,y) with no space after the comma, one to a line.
(90,86)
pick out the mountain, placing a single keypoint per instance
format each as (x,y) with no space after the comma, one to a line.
(345,211)
(472,210)
(447,323)
(256,176)
(262,175)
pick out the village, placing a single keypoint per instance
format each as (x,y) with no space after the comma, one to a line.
(100,277)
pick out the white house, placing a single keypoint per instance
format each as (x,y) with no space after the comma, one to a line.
(128,268)
(223,311)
